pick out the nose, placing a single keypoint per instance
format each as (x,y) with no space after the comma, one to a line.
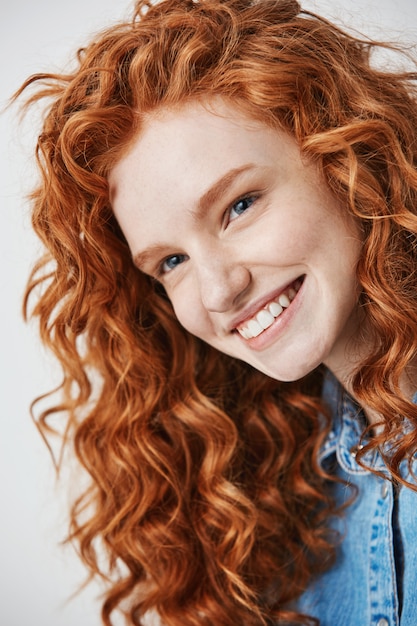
(221,282)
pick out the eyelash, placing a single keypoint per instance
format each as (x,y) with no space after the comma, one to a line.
(162,271)
(249,199)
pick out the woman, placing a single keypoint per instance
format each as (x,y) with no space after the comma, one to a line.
(228,203)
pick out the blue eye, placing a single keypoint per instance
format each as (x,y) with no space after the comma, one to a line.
(172,262)
(239,207)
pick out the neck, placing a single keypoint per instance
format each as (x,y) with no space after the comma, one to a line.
(407,384)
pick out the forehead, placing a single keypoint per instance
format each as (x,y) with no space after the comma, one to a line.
(196,142)
(181,131)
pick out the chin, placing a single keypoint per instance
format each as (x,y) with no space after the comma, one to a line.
(290,372)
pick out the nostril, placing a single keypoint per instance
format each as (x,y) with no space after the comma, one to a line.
(222,285)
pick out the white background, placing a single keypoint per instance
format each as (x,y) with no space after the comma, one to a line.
(37,575)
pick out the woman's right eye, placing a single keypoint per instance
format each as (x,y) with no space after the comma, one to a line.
(172,262)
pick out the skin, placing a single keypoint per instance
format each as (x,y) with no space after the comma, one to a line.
(225,212)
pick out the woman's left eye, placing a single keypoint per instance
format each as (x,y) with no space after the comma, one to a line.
(239,207)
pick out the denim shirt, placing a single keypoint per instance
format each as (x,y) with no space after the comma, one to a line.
(374,579)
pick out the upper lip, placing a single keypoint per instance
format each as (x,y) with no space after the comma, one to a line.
(250,311)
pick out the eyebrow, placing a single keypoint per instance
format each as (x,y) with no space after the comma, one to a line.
(142,259)
(219,188)
(209,197)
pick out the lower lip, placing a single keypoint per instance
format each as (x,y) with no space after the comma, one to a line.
(279,325)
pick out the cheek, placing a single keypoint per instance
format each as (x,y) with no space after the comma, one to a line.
(189,313)
(286,241)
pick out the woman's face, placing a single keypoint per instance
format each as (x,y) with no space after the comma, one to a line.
(253,251)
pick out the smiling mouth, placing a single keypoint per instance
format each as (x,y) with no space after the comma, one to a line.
(266,316)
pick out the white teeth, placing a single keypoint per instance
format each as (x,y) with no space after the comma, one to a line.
(254,328)
(284,300)
(244,333)
(265,318)
(275,309)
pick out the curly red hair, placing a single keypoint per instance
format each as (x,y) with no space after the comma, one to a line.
(205,485)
